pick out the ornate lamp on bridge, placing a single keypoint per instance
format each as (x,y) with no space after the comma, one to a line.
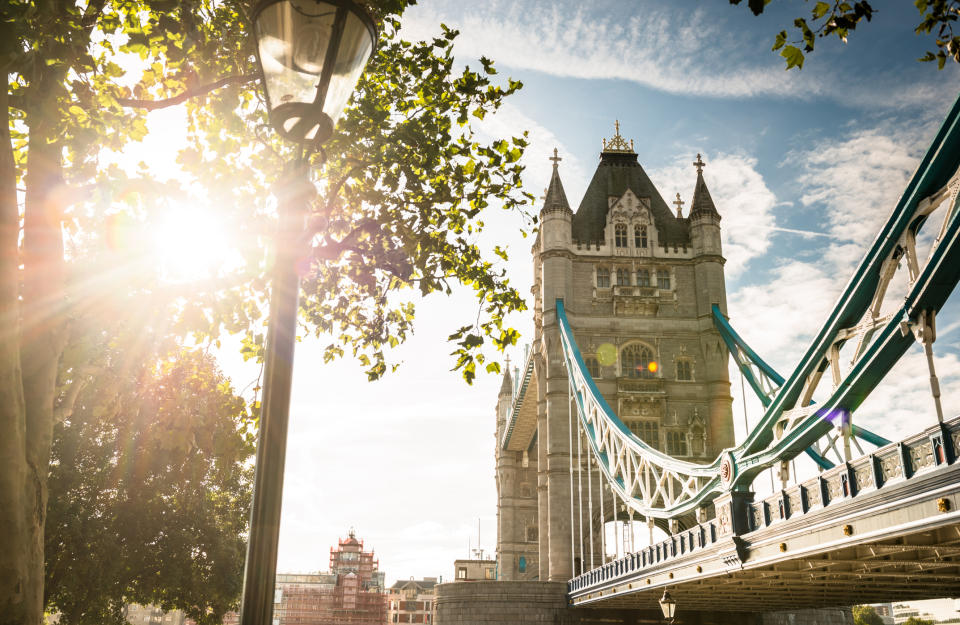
(668,606)
(311,54)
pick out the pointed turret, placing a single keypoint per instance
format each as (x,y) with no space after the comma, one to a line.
(555,215)
(554,198)
(506,387)
(702,202)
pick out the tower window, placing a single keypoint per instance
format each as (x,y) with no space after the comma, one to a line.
(603,278)
(663,279)
(640,236)
(684,370)
(623,277)
(620,235)
(635,362)
(676,443)
(647,431)
(643,277)
(593,366)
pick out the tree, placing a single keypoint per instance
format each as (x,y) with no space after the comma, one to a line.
(149,488)
(840,18)
(407,179)
(913,620)
(866,615)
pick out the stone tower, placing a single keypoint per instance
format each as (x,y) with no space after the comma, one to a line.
(638,283)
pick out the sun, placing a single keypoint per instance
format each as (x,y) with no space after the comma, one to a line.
(191,245)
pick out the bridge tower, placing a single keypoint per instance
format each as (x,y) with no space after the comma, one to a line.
(638,281)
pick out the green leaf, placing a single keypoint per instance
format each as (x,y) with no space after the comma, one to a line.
(780,40)
(793,56)
(820,9)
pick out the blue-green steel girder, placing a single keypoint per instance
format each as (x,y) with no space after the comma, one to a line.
(738,347)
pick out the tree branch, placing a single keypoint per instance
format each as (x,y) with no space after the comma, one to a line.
(152,105)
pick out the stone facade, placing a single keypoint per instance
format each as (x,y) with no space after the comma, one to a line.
(515,603)
(638,281)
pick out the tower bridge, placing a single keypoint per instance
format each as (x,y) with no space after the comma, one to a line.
(622,415)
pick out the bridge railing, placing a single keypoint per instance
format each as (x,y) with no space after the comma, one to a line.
(890,465)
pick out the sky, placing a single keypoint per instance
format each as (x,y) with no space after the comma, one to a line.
(803,166)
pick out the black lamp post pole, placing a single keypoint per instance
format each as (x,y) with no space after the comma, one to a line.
(261,565)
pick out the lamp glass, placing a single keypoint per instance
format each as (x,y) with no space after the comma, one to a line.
(293,38)
(668,605)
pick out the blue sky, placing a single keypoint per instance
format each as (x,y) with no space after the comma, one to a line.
(825,151)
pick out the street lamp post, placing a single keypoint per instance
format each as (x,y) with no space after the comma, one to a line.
(311,54)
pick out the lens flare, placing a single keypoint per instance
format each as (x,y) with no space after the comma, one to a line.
(653,366)
(606,354)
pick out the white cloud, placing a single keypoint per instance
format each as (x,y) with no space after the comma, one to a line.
(742,197)
(857,179)
(681,51)
(653,46)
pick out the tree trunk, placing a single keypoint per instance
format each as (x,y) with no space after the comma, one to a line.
(13,538)
(32,381)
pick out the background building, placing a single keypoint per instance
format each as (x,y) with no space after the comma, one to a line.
(352,593)
(411,601)
(474,570)
(137,614)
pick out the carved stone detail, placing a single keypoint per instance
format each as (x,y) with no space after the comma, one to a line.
(921,455)
(890,467)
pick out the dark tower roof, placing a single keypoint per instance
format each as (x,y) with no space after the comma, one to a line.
(555,198)
(702,202)
(618,171)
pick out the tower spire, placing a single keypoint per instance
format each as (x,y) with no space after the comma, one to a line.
(702,203)
(554,198)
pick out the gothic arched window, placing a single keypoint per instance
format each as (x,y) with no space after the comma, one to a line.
(593,366)
(620,235)
(676,443)
(684,370)
(643,277)
(663,279)
(635,361)
(603,278)
(640,236)
(623,277)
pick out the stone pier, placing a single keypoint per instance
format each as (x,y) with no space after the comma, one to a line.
(517,603)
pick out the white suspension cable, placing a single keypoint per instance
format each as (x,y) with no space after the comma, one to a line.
(593,561)
(570,408)
(603,518)
(580,493)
